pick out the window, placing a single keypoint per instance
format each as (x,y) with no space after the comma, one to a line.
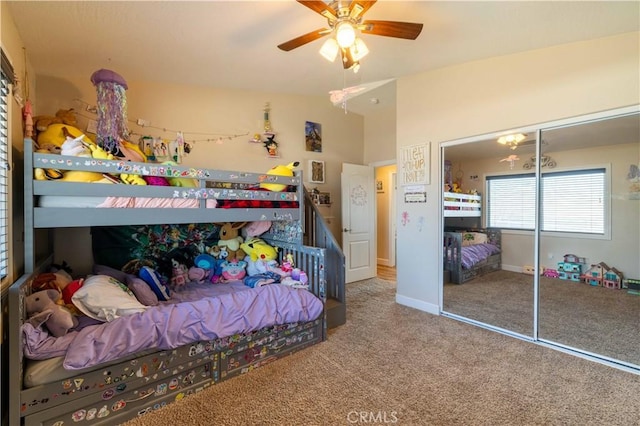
(6,77)
(571,201)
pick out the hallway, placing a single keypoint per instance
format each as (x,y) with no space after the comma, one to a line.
(387,273)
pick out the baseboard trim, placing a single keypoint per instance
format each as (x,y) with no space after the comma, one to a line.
(384,262)
(512,268)
(420,305)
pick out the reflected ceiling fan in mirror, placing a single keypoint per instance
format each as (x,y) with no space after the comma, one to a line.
(345,20)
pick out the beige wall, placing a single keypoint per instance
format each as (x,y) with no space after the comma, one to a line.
(228,112)
(488,96)
(380,135)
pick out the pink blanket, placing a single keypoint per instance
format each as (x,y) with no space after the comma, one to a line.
(143,202)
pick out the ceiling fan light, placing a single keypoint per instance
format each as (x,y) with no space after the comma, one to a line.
(513,139)
(359,50)
(345,34)
(356,67)
(329,49)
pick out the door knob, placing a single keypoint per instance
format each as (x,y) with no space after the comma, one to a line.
(346,230)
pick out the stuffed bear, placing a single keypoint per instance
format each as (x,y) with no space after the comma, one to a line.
(41,308)
(63,116)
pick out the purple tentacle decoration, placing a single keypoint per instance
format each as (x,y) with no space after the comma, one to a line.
(112,109)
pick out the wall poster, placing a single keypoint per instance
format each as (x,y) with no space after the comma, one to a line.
(313,136)
(414,164)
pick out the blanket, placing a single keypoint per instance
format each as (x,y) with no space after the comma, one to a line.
(472,255)
(175,324)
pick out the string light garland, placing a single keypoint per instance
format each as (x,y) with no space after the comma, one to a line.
(218,138)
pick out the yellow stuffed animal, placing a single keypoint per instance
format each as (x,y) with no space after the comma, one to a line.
(258,249)
(97,152)
(279,171)
(56,134)
(63,116)
(132,179)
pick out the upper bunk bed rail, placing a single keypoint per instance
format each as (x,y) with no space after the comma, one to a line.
(462,205)
(213,187)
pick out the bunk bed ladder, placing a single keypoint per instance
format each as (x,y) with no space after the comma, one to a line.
(318,234)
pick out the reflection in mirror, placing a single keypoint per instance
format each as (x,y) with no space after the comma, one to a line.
(590,238)
(487,265)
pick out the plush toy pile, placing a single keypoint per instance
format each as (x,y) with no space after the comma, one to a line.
(61,303)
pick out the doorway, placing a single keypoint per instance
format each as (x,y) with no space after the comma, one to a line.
(385,177)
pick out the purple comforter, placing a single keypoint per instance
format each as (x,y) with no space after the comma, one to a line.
(471,255)
(200,312)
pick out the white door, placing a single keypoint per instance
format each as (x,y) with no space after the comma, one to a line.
(358,222)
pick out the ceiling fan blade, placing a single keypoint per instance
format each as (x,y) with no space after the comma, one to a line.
(359,8)
(347,58)
(320,7)
(407,30)
(303,39)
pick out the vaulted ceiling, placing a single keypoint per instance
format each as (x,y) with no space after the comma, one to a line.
(233,43)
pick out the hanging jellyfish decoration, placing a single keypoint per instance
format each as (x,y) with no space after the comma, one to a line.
(112,109)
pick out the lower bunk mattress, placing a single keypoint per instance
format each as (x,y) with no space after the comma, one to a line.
(105,373)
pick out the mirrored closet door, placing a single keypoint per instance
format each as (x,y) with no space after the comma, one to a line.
(488,241)
(590,238)
(566,270)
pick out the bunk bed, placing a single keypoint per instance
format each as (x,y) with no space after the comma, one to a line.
(471,253)
(134,374)
(462,205)
(468,252)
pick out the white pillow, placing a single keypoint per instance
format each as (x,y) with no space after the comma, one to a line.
(104,298)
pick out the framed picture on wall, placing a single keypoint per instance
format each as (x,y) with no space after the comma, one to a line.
(379,186)
(324,198)
(313,136)
(316,171)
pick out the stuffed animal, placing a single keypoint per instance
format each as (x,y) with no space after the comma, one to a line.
(56,134)
(234,270)
(259,249)
(179,273)
(204,266)
(41,308)
(61,281)
(75,147)
(100,153)
(279,171)
(230,239)
(63,116)
(220,255)
(132,179)
(259,266)
(255,229)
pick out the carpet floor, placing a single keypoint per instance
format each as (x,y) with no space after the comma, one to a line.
(393,364)
(596,319)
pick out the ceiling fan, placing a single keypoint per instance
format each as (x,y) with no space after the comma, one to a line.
(344,18)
